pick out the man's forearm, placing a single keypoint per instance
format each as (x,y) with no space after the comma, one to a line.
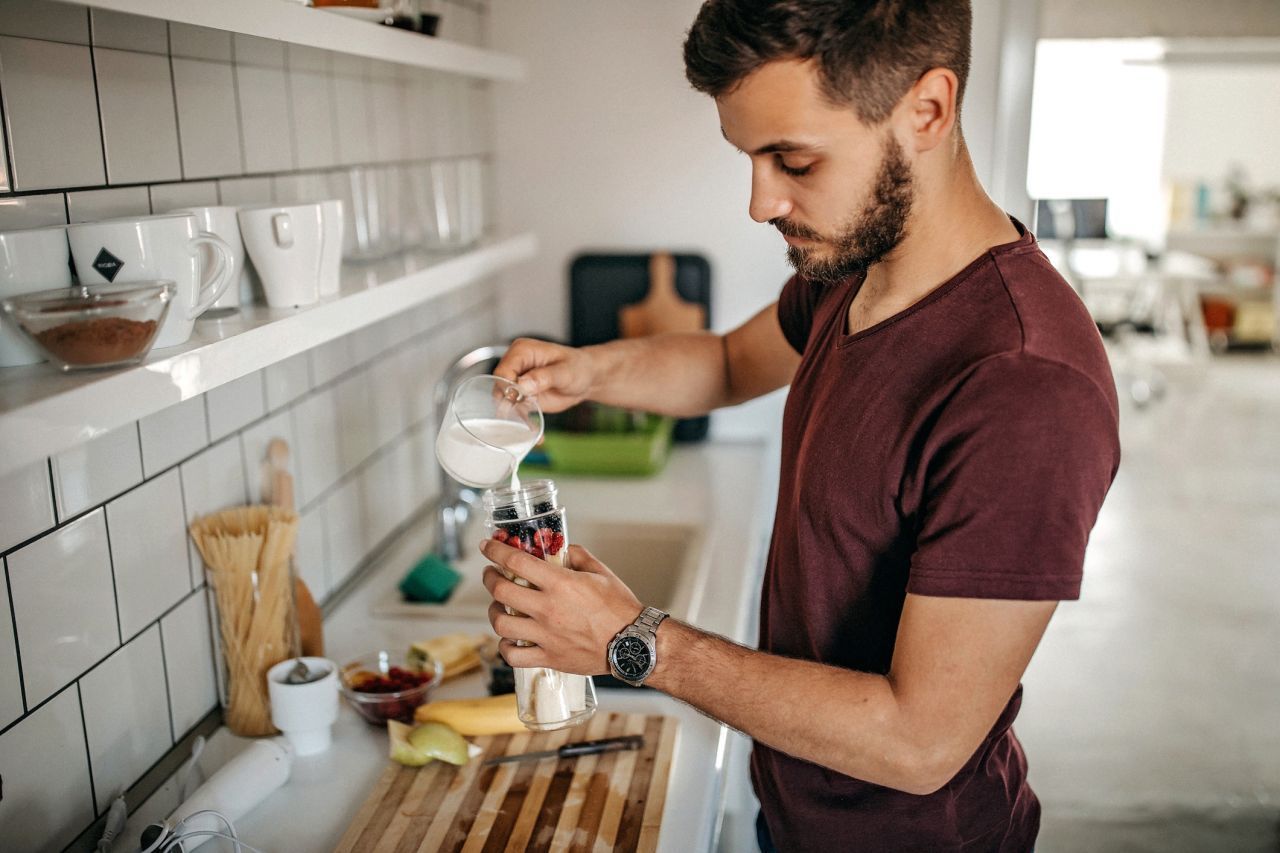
(848,721)
(683,375)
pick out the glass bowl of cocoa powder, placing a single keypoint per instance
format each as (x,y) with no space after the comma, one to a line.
(88,328)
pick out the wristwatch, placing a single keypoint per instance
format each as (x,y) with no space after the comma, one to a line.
(633,653)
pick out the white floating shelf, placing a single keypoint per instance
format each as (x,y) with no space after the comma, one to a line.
(43,411)
(297,24)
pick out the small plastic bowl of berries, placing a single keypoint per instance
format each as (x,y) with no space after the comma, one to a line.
(387,686)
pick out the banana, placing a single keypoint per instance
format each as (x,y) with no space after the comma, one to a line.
(492,715)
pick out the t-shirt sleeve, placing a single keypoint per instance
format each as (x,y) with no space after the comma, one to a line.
(796,306)
(1012,475)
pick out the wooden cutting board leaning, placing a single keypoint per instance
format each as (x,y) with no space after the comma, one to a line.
(612,801)
(662,311)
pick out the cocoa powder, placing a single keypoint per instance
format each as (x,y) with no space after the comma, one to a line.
(102,340)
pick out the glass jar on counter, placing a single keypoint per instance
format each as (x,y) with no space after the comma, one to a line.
(529,517)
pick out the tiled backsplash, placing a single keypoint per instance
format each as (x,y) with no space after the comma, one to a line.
(108,662)
(105,643)
(114,115)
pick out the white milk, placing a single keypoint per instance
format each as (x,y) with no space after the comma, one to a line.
(484,454)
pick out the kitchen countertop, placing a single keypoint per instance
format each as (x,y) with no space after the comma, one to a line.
(719,486)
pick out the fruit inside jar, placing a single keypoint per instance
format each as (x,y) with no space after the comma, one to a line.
(529,518)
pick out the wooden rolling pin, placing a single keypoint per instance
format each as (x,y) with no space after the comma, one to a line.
(277,489)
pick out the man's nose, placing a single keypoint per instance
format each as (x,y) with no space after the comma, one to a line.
(769,200)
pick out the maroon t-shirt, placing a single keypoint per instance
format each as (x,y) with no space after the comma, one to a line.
(960,448)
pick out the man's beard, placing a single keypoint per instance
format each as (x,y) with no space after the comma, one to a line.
(873,233)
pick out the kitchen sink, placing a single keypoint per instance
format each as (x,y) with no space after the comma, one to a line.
(659,562)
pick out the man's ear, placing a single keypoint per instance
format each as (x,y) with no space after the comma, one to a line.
(930,108)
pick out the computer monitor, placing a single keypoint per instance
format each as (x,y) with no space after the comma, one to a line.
(1071,219)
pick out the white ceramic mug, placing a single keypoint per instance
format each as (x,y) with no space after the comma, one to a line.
(331,253)
(31,260)
(149,248)
(286,245)
(221,220)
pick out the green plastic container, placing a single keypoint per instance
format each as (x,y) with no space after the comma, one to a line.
(638,453)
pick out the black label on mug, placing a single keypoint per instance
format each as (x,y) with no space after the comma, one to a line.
(107,265)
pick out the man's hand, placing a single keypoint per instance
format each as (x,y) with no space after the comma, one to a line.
(571,615)
(559,376)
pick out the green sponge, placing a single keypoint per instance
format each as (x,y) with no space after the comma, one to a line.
(432,579)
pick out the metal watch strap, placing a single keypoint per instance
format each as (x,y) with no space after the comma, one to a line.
(649,619)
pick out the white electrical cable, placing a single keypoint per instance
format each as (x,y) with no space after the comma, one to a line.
(189,771)
(117,815)
(240,846)
(179,835)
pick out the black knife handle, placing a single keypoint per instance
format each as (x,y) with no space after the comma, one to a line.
(609,744)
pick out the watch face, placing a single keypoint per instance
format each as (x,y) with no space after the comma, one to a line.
(631,658)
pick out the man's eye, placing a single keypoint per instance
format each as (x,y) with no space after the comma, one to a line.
(793,171)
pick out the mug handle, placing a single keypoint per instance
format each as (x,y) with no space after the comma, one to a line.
(219,277)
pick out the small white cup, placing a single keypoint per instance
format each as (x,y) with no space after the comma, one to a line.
(151,248)
(221,220)
(304,712)
(286,245)
(331,253)
(31,260)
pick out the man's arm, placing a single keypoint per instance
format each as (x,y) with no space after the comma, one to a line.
(956,663)
(678,374)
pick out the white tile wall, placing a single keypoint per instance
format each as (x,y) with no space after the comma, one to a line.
(97,470)
(89,205)
(33,211)
(50,147)
(310,556)
(212,481)
(188,661)
(139,130)
(351,107)
(315,431)
(47,794)
(126,738)
(264,109)
(356,437)
(149,551)
(172,434)
(11,706)
(176,102)
(208,124)
(64,605)
(26,504)
(314,142)
(234,405)
(166,197)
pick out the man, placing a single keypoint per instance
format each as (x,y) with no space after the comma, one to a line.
(949,436)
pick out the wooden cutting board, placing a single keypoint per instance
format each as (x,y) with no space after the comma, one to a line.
(603,802)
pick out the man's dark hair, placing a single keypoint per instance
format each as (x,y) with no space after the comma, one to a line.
(869,53)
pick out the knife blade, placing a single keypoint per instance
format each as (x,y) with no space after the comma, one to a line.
(572,750)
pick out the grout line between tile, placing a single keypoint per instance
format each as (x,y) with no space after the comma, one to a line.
(164,666)
(111,560)
(88,759)
(102,131)
(17,647)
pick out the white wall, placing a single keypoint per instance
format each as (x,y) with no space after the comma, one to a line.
(1219,115)
(606,146)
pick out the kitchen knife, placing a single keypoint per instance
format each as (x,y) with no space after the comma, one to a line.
(572,750)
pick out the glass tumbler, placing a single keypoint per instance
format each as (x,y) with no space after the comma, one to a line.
(529,517)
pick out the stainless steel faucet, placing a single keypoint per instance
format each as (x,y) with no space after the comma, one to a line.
(456,500)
